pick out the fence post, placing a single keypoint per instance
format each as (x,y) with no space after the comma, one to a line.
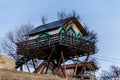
(49,40)
(60,38)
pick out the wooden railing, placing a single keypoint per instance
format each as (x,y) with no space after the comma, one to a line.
(56,40)
(52,40)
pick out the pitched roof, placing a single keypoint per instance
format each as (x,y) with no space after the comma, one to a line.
(52,25)
(56,24)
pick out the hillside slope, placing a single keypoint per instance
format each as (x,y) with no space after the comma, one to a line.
(17,75)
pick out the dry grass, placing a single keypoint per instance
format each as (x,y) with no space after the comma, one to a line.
(17,75)
(7,72)
(6,63)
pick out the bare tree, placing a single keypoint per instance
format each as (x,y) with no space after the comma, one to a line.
(91,38)
(62,15)
(8,44)
(43,20)
(74,14)
(112,74)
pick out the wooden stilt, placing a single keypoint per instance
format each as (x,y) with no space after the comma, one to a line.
(27,67)
(84,70)
(58,65)
(63,63)
(52,63)
(63,71)
(43,68)
(34,64)
(76,67)
(21,68)
(50,54)
(87,58)
(47,67)
(84,65)
(90,73)
(48,61)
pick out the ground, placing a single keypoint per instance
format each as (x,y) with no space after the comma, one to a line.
(18,75)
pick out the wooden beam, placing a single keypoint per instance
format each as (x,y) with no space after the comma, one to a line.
(58,65)
(47,67)
(26,64)
(63,63)
(43,68)
(76,66)
(27,67)
(21,68)
(51,54)
(87,58)
(48,60)
(84,65)
(34,64)
(63,71)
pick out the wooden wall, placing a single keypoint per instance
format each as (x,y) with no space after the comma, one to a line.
(55,31)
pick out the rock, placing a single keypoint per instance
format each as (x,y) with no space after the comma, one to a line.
(6,63)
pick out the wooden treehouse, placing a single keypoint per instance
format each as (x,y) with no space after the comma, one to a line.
(55,43)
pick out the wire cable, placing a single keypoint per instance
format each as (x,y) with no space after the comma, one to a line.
(106,60)
(107,57)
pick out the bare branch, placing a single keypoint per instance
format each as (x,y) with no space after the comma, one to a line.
(61,14)
(74,14)
(8,44)
(43,20)
(112,74)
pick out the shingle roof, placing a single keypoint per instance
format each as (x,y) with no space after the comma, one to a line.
(52,25)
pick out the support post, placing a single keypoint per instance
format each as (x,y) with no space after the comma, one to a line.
(43,68)
(47,67)
(63,71)
(34,64)
(27,66)
(84,65)
(48,60)
(50,54)
(21,68)
(63,63)
(58,64)
(76,66)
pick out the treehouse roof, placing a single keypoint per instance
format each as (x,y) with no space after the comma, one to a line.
(56,24)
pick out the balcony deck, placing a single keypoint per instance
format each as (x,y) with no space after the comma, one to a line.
(41,48)
(63,42)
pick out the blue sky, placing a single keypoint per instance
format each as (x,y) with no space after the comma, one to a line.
(102,16)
